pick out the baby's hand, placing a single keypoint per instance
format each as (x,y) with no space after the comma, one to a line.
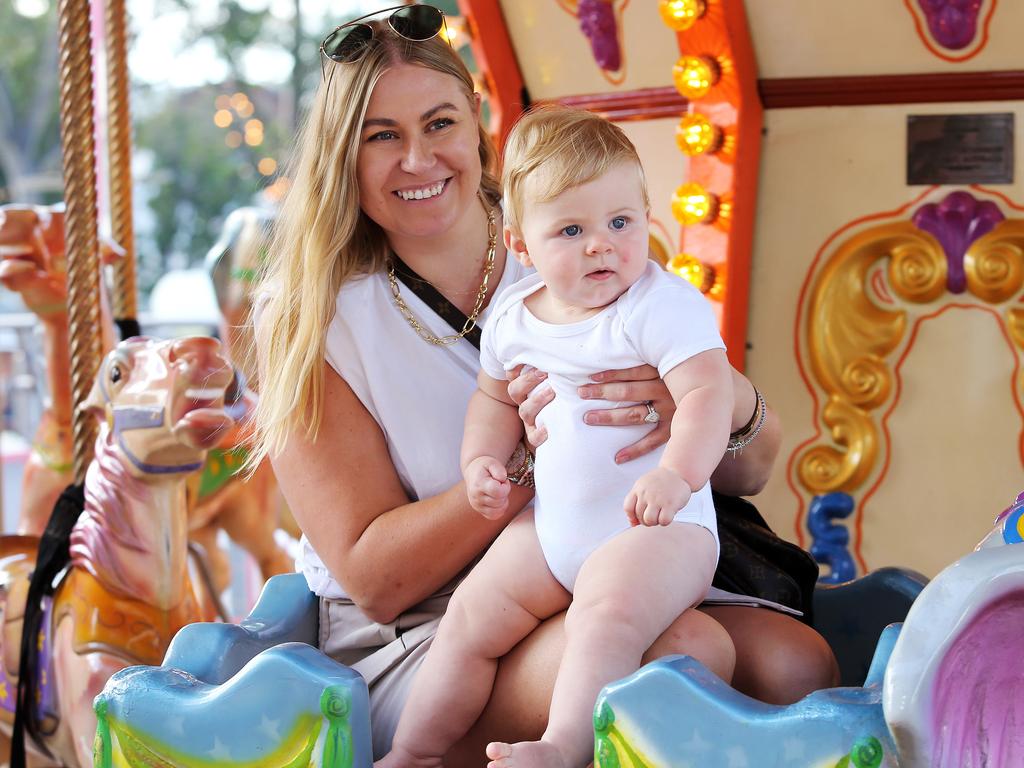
(487,486)
(656,497)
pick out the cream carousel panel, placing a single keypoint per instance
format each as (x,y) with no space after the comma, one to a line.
(796,38)
(589,46)
(884,329)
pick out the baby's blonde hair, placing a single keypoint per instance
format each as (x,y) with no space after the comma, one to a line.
(553,148)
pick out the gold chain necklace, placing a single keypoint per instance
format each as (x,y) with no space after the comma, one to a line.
(481,294)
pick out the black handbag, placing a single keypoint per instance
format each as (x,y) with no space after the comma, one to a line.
(755,562)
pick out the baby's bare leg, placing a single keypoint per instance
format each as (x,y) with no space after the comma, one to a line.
(502,600)
(628,592)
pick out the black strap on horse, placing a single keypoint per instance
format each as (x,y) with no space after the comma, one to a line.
(433,298)
(128,327)
(54,554)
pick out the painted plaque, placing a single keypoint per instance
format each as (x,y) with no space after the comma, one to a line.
(960,149)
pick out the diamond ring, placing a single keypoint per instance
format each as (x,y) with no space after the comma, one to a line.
(652,417)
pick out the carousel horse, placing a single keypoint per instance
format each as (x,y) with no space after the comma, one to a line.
(127,590)
(32,263)
(945,689)
(250,511)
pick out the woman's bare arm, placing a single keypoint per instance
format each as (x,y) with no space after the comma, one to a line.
(387,553)
(746,472)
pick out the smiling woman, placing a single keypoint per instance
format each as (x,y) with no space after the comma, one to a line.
(386,255)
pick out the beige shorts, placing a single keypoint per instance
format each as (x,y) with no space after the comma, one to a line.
(386,655)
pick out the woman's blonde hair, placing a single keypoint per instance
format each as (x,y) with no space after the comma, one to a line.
(553,148)
(322,238)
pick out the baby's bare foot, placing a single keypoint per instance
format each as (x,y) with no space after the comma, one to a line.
(525,754)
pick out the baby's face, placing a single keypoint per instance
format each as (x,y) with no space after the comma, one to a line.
(590,243)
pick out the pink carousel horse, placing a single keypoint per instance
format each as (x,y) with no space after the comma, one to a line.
(128,589)
(32,263)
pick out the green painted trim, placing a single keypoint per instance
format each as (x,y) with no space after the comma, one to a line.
(295,750)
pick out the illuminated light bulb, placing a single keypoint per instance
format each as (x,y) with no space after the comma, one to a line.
(267,166)
(694,76)
(696,135)
(455,32)
(680,15)
(692,204)
(693,270)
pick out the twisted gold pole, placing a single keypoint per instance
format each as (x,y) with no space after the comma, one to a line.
(120,150)
(79,153)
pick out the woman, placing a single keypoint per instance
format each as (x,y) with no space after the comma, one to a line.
(363,396)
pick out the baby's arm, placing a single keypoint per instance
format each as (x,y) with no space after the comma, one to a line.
(493,429)
(702,389)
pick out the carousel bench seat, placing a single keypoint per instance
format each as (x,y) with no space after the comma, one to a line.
(269,660)
(254,694)
(674,712)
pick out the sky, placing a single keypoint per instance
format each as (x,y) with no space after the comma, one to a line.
(157,39)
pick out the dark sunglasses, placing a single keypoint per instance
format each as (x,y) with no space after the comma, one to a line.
(349,42)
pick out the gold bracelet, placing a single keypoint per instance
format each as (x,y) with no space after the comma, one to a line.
(753,417)
(737,442)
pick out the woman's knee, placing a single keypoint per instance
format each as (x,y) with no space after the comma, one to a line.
(793,666)
(698,635)
(809,664)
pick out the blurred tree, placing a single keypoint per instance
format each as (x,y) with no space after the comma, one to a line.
(196,172)
(30,163)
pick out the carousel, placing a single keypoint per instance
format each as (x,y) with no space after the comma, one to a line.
(839,179)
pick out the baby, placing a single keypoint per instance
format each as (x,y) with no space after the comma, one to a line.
(627,548)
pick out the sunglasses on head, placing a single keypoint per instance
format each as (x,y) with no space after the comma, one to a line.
(350,41)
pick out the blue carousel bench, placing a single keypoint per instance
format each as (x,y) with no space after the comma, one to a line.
(260,694)
(256,694)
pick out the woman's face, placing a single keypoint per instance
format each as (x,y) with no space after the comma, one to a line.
(418,164)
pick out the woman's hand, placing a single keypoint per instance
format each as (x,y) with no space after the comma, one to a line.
(524,391)
(638,384)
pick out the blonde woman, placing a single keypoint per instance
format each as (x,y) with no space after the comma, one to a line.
(364,387)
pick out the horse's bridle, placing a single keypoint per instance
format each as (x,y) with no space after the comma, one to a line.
(122,418)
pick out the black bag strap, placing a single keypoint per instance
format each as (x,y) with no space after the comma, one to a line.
(434,299)
(54,554)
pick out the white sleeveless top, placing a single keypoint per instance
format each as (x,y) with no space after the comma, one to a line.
(416,392)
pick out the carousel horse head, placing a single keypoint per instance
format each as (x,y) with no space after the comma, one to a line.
(32,257)
(234,263)
(162,403)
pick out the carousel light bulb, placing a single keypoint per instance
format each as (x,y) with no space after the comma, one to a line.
(454,31)
(692,204)
(693,270)
(695,75)
(697,135)
(680,15)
